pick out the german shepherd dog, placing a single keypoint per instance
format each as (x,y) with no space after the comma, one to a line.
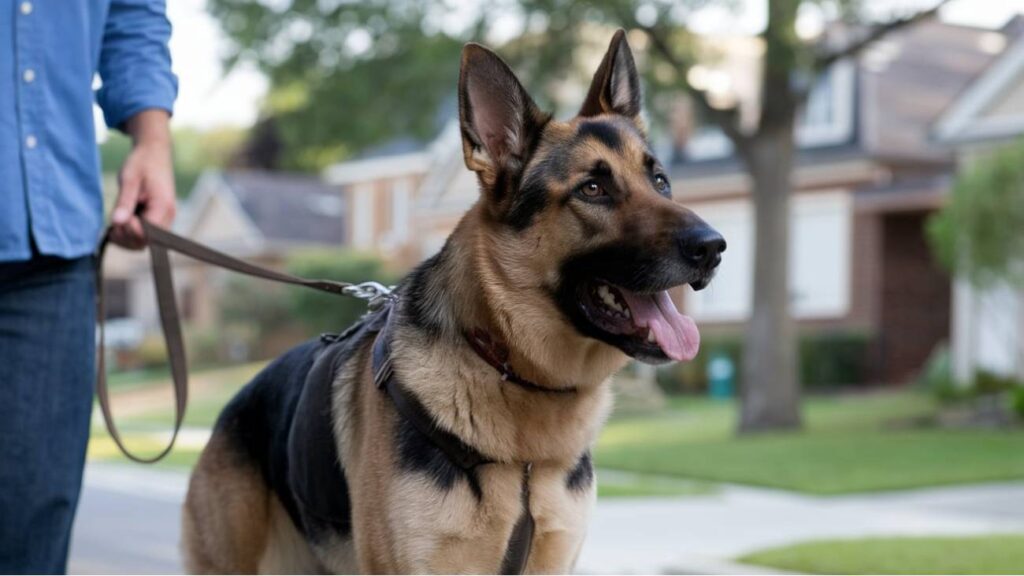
(451,431)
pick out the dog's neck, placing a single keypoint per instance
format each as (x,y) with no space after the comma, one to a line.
(466,288)
(463,289)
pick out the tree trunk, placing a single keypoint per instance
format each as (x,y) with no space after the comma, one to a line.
(771,391)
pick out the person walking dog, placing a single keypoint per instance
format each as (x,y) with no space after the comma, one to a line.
(51,215)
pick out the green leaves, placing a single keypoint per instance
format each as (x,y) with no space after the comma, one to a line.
(319,312)
(980,233)
(346,76)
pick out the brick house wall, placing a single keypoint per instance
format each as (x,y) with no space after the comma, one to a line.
(915,298)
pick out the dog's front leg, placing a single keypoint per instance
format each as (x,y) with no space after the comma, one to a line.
(561,510)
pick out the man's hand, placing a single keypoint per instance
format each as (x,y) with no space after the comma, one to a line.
(146,180)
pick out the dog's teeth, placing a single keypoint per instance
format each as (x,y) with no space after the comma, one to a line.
(609,299)
(650,336)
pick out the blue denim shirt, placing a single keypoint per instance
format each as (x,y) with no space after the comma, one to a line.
(50,52)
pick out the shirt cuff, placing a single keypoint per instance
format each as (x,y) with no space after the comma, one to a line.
(132,93)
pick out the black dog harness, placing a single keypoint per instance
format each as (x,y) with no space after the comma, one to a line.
(315,476)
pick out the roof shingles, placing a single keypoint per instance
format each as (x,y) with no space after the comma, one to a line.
(291,208)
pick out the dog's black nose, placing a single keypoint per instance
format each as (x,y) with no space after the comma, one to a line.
(702,247)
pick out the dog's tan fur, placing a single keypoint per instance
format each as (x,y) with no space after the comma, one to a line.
(226,517)
(495,278)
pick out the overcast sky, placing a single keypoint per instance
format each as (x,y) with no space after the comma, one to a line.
(207,100)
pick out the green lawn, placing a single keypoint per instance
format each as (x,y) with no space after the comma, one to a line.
(615,484)
(134,379)
(182,457)
(146,433)
(849,445)
(943,555)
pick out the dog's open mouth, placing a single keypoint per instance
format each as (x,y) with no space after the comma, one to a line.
(650,321)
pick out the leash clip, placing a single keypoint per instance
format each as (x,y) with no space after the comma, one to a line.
(376,294)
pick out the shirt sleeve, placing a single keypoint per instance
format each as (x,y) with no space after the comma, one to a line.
(135,61)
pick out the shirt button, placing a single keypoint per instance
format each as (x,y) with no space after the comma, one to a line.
(31,142)
(26,8)
(29,76)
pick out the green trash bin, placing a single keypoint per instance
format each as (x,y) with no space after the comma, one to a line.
(721,376)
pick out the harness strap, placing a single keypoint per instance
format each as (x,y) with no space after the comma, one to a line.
(517,552)
(161,242)
(463,455)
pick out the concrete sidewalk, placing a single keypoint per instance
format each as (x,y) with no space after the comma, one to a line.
(128,522)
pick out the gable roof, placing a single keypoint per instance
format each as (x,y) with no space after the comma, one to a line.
(913,75)
(969,118)
(280,208)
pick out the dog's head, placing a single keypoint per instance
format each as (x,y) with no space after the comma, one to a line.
(582,210)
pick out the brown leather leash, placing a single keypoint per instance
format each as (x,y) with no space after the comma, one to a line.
(161,242)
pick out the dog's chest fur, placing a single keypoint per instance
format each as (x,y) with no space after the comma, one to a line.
(413,510)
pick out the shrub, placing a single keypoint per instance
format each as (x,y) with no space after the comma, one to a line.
(833,358)
(692,377)
(218,346)
(320,312)
(979,234)
(250,304)
(986,382)
(826,359)
(152,352)
(936,376)
(1018,402)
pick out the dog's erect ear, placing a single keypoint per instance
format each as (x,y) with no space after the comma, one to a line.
(616,85)
(498,118)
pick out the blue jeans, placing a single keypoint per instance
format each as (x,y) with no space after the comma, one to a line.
(47,364)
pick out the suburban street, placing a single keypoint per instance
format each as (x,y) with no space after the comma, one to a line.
(128,523)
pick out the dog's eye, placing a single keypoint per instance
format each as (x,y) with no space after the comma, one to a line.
(661,184)
(592,190)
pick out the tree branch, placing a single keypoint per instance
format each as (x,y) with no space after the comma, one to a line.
(827,58)
(725,118)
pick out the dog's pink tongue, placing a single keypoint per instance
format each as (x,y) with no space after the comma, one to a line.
(676,333)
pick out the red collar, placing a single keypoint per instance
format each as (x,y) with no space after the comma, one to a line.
(496,354)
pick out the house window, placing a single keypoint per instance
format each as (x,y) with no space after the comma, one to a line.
(819,252)
(727,298)
(826,118)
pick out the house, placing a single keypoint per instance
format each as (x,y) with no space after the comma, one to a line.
(988,324)
(259,216)
(867,176)
(390,188)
